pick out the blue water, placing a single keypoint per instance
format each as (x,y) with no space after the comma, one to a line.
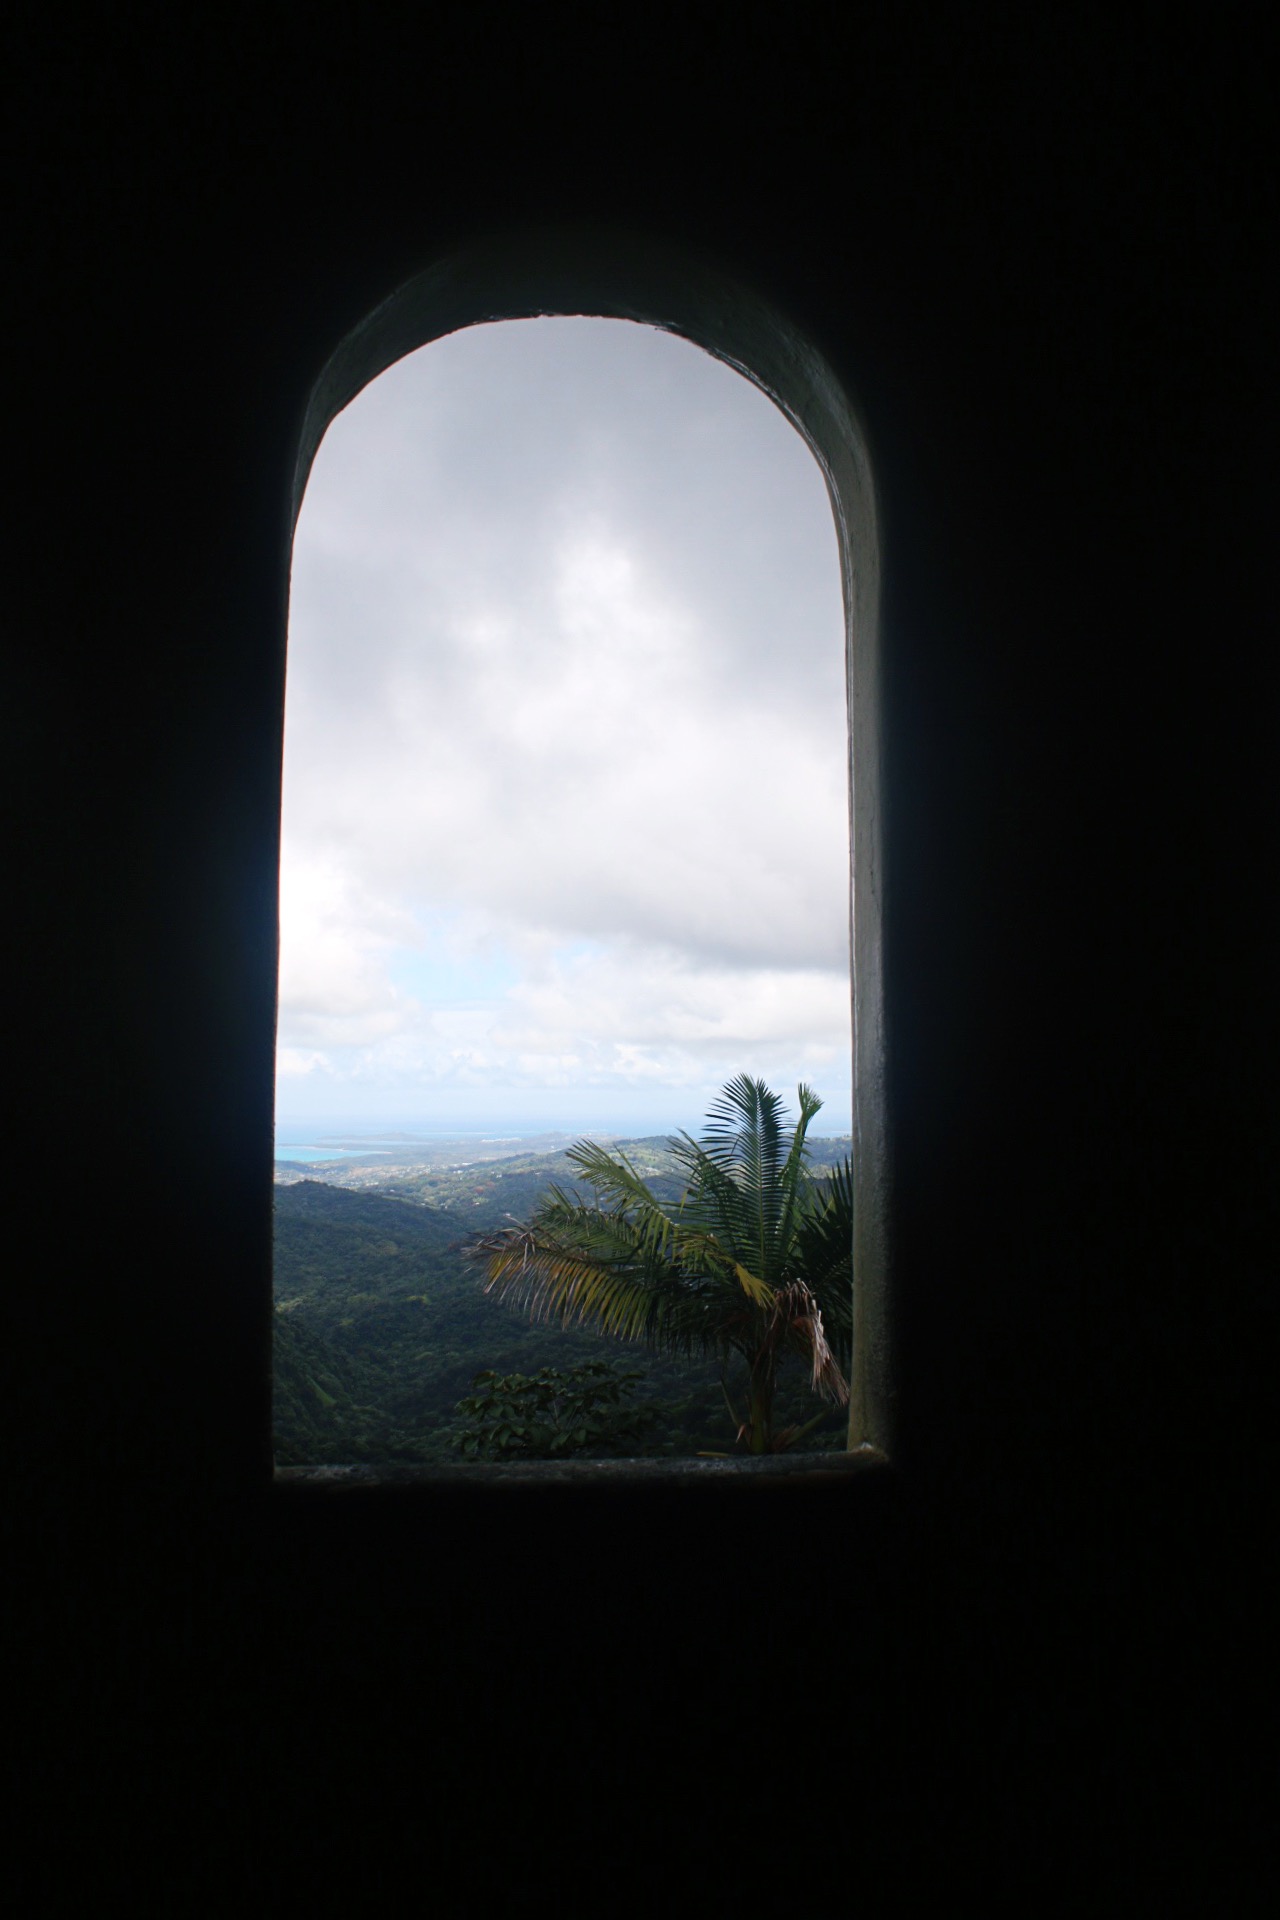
(304,1148)
(286,1151)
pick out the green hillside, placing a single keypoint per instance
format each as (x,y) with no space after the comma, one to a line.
(483,1195)
(381,1324)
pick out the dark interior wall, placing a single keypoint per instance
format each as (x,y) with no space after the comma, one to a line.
(1037,1643)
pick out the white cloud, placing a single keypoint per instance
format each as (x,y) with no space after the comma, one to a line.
(296,1063)
(335,935)
(566,671)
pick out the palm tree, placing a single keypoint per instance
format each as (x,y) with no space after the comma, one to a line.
(754,1260)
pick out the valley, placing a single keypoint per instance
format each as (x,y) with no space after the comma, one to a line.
(381,1322)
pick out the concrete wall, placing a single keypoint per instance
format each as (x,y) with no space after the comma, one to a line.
(1033,1650)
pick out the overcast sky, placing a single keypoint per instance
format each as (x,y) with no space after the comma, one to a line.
(565,817)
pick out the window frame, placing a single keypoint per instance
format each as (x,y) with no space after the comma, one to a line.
(609,275)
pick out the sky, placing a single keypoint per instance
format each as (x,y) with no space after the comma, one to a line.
(565,831)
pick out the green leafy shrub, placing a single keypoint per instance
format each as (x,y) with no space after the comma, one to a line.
(553,1414)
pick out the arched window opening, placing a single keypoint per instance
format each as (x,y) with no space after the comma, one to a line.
(567,764)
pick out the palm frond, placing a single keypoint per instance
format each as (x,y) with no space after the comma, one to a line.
(713,1201)
(746,1178)
(743,1138)
(793,1182)
(553,1282)
(693,1244)
(585,1266)
(797,1324)
(823,1252)
(756,1259)
(757,1290)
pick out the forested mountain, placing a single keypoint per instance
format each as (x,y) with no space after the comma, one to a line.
(381,1323)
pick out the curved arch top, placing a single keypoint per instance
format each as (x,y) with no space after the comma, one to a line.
(609,275)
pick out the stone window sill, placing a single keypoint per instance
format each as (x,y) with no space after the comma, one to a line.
(807,1469)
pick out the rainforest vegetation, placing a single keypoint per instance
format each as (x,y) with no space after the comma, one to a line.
(383,1323)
